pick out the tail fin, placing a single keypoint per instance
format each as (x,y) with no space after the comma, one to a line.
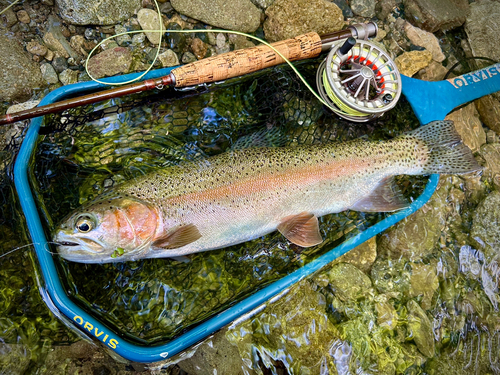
(447,153)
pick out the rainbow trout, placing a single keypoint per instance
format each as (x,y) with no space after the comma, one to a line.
(244,194)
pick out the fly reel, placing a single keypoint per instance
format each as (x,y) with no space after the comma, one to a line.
(359,79)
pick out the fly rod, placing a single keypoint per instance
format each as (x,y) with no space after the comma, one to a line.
(213,69)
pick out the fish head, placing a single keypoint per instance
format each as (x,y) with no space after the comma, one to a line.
(107,230)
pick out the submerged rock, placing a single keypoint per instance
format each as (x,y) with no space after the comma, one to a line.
(289,18)
(19,75)
(239,15)
(485,231)
(148,19)
(349,283)
(423,282)
(489,112)
(363,8)
(294,330)
(362,256)
(491,156)
(469,126)
(420,329)
(97,12)
(434,15)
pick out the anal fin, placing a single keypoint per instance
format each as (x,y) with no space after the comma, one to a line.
(301,229)
(386,197)
(178,237)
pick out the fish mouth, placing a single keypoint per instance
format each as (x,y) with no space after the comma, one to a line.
(66,243)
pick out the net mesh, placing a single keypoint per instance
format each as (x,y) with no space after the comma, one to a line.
(85,151)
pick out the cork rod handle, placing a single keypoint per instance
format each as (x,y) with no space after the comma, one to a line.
(240,62)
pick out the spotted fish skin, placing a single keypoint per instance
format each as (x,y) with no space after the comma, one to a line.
(244,194)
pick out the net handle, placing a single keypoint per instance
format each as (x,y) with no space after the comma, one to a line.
(249,60)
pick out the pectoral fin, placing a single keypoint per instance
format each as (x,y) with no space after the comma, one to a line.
(178,237)
(386,197)
(301,229)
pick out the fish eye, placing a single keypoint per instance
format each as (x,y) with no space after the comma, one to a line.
(84,224)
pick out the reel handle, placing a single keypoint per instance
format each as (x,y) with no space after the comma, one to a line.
(249,60)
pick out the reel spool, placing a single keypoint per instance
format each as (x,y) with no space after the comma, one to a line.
(360,79)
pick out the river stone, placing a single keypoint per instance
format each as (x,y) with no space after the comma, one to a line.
(434,72)
(148,19)
(97,12)
(14,359)
(468,125)
(424,39)
(289,18)
(348,282)
(216,355)
(485,231)
(15,62)
(420,329)
(295,330)
(434,15)
(56,41)
(363,8)
(68,76)
(362,256)
(238,15)
(36,48)
(489,112)
(415,236)
(482,28)
(22,106)
(423,282)
(409,63)
(491,156)
(110,62)
(168,58)
(391,276)
(48,73)
(8,19)
(386,313)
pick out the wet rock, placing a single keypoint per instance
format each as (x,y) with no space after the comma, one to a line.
(138,39)
(468,125)
(110,62)
(240,42)
(8,19)
(36,48)
(344,7)
(362,256)
(289,18)
(420,329)
(16,63)
(482,28)
(424,39)
(48,73)
(23,106)
(199,48)
(215,355)
(78,43)
(363,8)
(188,57)
(97,12)
(56,41)
(411,62)
(416,236)
(434,15)
(68,77)
(485,231)
(59,64)
(384,7)
(168,58)
(264,4)
(391,276)
(148,19)
(489,112)
(122,40)
(423,282)
(492,137)
(239,15)
(49,56)
(23,16)
(286,331)
(348,282)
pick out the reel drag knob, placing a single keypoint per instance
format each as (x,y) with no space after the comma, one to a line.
(360,79)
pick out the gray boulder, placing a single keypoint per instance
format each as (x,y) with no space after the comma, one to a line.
(482,28)
(14,64)
(97,12)
(434,15)
(238,15)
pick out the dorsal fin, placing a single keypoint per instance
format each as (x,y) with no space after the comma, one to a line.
(385,198)
(301,229)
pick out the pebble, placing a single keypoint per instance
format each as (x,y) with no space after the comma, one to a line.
(59,64)
(68,77)
(22,106)
(8,19)
(77,42)
(363,8)
(424,39)
(91,34)
(110,62)
(168,58)
(199,48)
(122,40)
(23,16)
(148,19)
(188,57)
(410,63)
(36,48)
(48,73)
(54,44)
(49,55)
(138,39)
